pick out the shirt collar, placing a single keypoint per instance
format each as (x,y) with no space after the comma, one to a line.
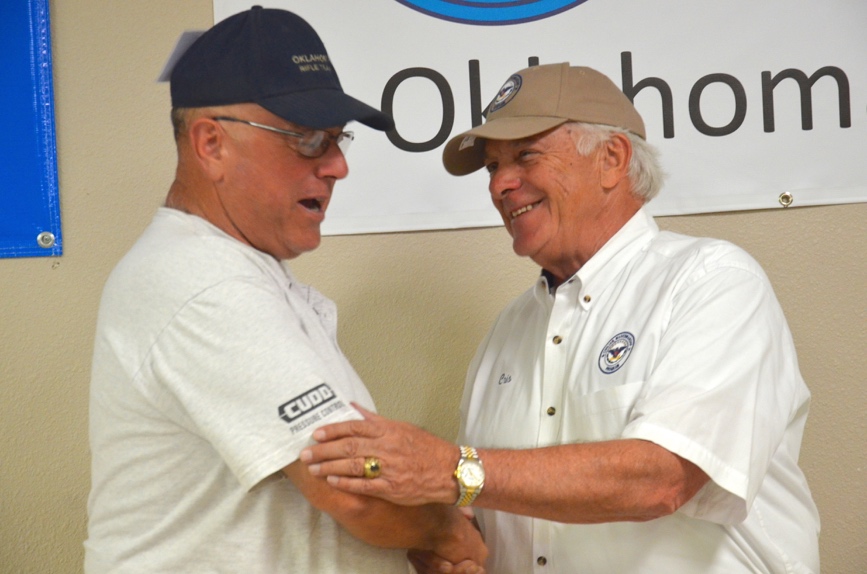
(610,259)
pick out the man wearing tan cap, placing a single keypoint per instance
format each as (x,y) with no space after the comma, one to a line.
(640,407)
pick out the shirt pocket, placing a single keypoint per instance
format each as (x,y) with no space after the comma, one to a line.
(601,415)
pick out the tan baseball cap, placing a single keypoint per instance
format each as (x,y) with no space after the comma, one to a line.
(538,99)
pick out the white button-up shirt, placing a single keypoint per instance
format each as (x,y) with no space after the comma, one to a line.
(672,339)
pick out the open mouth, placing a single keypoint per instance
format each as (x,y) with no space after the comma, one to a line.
(524,209)
(312,204)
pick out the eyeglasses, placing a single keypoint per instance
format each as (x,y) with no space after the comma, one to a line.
(312,144)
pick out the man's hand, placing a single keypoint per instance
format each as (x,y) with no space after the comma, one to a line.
(426,562)
(460,549)
(417,466)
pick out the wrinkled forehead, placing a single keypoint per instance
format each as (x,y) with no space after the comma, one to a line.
(493,147)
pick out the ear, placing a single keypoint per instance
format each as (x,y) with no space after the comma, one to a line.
(614,159)
(209,146)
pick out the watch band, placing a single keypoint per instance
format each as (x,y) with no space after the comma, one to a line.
(468,493)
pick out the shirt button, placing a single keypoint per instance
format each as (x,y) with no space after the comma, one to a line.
(552,411)
(586,298)
(541,560)
(557,339)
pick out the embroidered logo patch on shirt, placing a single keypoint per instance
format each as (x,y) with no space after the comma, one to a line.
(615,352)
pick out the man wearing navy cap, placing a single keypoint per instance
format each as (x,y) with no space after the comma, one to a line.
(213,364)
(639,409)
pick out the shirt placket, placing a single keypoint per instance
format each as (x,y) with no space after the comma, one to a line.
(562,314)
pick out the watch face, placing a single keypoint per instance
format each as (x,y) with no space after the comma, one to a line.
(472,474)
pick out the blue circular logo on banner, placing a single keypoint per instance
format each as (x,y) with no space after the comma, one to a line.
(491,12)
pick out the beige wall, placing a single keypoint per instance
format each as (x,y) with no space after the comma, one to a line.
(413,306)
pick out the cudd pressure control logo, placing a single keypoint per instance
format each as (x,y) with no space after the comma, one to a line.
(491,12)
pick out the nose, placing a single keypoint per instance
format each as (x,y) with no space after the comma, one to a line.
(333,164)
(503,180)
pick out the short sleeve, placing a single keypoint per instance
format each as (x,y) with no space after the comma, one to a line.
(251,374)
(725,385)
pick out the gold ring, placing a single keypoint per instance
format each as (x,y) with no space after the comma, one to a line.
(372,467)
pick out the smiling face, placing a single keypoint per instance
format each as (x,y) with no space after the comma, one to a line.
(260,189)
(559,207)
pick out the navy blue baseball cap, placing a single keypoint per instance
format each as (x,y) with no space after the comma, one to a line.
(272,58)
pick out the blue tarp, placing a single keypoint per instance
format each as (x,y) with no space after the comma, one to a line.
(29,203)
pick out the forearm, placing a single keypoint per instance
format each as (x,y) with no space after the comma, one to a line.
(622,480)
(438,528)
(381,523)
(587,483)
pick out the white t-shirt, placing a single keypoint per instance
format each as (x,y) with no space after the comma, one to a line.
(212,367)
(671,339)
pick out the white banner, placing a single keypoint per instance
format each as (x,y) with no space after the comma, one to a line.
(746,99)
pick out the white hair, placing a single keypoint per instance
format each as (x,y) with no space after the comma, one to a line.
(644,170)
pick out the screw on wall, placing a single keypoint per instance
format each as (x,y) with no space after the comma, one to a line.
(45,239)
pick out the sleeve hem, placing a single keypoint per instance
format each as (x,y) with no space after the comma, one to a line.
(723,500)
(277,461)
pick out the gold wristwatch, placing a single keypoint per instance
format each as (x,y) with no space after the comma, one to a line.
(471,476)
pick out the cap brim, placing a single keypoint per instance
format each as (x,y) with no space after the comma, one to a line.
(465,153)
(325,108)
